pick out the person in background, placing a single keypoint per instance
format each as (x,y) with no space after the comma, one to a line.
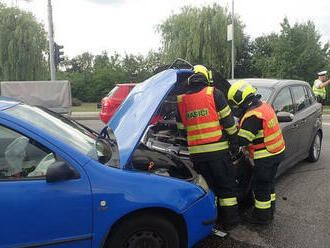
(205,119)
(319,87)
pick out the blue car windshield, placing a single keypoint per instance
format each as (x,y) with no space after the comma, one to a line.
(67,131)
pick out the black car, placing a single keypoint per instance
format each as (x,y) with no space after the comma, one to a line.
(299,114)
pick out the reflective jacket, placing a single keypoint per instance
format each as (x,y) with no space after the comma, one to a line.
(319,91)
(200,119)
(271,134)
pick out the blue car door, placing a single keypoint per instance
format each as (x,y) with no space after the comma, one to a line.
(35,213)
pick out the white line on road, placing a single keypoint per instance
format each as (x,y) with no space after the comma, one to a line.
(325,123)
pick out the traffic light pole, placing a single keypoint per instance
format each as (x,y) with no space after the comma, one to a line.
(51,42)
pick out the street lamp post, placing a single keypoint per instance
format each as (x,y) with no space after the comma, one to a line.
(51,42)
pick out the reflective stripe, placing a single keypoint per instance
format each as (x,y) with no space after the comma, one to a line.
(260,134)
(249,114)
(272,197)
(246,134)
(272,136)
(262,205)
(319,91)
(231,130)
(224,112)
(276,145)
(209,90)
(204,135)
(208,147)
(228,202)
(203,125)
(179,98)
(180,125)
(264,153)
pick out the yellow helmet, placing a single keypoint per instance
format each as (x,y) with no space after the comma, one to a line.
(239,91)
(204,71)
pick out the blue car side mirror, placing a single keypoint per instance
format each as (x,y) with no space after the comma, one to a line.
(60,171)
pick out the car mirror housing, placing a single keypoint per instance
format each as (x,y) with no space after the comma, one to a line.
(285,117)
(60,171)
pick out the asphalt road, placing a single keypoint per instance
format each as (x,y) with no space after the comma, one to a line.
(302,219)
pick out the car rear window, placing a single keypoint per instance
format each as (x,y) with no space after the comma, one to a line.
(113,91)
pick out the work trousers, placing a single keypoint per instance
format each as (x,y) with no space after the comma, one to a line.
(320,99)
(263,186)
(217,174)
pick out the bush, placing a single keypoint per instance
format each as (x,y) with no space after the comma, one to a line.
(76,102)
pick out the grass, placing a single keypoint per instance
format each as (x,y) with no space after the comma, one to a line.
(326,109)
(86,107)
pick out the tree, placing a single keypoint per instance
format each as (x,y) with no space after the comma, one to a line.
(199,35)
(23,46)
(295,53)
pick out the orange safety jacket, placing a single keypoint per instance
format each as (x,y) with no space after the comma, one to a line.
(273,140)
(201,121)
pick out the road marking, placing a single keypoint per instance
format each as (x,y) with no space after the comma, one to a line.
(326,123)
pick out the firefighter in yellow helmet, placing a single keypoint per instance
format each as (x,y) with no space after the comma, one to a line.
(260,133)
(205,118)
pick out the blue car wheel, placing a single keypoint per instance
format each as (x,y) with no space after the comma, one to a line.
(146,231)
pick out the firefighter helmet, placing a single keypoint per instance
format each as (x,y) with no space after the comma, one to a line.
(201,75)
(239,91)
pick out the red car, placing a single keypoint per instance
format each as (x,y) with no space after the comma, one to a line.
(112,101)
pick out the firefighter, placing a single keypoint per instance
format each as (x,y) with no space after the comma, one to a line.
(319,86)
(259,131)
(205,118)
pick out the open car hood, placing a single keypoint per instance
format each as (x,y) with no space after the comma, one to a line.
(7,102)
(134,115)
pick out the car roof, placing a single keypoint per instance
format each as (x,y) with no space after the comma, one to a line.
(128,84)
(270,83)
(8,102)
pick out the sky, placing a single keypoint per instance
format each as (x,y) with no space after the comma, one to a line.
(129,26)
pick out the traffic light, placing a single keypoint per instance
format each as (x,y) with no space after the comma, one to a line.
(58,54)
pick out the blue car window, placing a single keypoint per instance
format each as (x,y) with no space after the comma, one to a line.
(21,157)
(68,131)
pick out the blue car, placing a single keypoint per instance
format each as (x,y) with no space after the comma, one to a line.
(64,185)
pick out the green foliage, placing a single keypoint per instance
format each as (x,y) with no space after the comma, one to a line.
(92,77)
(295,53)
(76,102)
(199,35)
(23,46)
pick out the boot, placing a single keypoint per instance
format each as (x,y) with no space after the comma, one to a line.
(258,216)
(228,217)
(272,209)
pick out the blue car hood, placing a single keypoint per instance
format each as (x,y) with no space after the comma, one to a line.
(132,118)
